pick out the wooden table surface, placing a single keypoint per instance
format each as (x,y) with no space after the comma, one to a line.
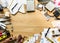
(29,23)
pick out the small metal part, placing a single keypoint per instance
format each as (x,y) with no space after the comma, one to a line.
(7,23)
(4,19)
(56,35)
(47,31)
(49,40)
(3,27)
(2,24)
(53,32)
(40,7)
